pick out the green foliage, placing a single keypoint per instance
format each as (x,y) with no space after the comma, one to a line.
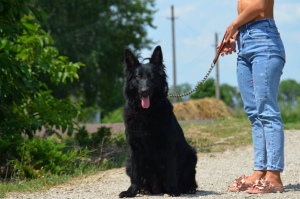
(229,95)
(207,89)
(289,100)
(88,114)
(115,116)
(8,147)
(289,91)
(26,55)
(11,12)
(96,33)
(181,88)
(101,136)
(93,140)
(289,113)
(82,137)
(120,141)
(40,156)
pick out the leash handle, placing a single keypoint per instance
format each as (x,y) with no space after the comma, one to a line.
(220,49)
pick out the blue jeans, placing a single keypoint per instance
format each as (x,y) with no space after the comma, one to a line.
(260,62)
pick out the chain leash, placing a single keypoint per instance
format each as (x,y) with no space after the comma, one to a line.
(206,76)
(198,85)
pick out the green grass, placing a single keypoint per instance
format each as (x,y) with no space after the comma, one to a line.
(220,135)
(292,126)
(115,159)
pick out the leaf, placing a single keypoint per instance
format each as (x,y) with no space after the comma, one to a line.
(1,7)
(44,17)
(29,26)
(64,128)
(70,130)
(36,13)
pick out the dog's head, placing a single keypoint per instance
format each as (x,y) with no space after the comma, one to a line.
(145,82)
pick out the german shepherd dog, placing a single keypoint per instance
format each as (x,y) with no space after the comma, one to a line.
(160,161)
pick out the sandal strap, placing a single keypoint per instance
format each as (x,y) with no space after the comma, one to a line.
(239,182)
(262,184)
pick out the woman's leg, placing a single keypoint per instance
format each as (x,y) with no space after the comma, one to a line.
(267,70)
(246,87)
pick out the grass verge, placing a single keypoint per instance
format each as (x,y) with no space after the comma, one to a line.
(220,135)
(217,136)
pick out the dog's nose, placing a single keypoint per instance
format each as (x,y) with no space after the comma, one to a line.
(144,91)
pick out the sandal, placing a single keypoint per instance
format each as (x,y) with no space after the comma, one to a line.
(264,186)
(239,184)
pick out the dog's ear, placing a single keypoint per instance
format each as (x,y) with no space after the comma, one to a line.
(157,57)
(130,59)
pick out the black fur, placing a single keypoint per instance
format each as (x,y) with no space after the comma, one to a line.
(161,161)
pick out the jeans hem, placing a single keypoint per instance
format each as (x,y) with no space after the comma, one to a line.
(272,168)
(260,168)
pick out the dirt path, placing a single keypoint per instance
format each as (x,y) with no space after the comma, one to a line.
(214,173)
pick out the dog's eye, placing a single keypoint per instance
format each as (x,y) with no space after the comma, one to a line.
(138,77)
(151,76)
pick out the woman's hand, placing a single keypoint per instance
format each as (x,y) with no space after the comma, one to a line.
(230,32)
(229,47)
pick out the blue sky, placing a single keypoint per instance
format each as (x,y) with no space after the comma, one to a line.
(195,27)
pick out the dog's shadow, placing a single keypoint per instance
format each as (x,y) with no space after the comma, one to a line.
(292,187)
(196,195)
(200,193)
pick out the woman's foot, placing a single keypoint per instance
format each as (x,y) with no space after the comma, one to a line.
(257,175)
(274,178)
(271,183)
(244,182)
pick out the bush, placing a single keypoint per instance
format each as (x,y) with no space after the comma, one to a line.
(82,137)
(39,156)
(8,147)
(101,136)
(115,116)
(92,141)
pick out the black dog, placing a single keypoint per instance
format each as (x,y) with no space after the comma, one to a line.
(161,161)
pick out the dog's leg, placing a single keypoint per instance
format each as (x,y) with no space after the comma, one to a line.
(135,178)
(172,186)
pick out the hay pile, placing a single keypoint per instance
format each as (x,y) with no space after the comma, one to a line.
(201,109)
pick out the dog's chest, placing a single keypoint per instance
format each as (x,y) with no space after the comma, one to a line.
(145,126)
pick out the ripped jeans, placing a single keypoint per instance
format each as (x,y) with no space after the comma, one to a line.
(260,62)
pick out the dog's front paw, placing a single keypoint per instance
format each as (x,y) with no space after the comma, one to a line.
(191,191)
(173,191)
(127,194)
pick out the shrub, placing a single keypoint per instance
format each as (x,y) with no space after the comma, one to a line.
(93,140)
(101,136)
(39,156)
(82,137)
(115,116)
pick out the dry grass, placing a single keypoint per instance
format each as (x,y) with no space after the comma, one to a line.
(220,135)
(201,109)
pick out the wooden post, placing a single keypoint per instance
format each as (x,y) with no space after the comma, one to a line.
(174,54)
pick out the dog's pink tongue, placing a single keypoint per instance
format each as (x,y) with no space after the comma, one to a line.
(145,102)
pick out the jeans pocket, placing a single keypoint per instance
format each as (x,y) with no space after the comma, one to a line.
(272,31)
(258,33)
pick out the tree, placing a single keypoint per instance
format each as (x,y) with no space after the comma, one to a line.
(207,89)
(181,89)
(96,33)
(26,53)
(289,90)
(230,95)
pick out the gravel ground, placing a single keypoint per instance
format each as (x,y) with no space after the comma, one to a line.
(215,171)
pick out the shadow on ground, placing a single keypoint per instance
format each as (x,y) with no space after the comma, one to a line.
(201,193)
(292,187)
